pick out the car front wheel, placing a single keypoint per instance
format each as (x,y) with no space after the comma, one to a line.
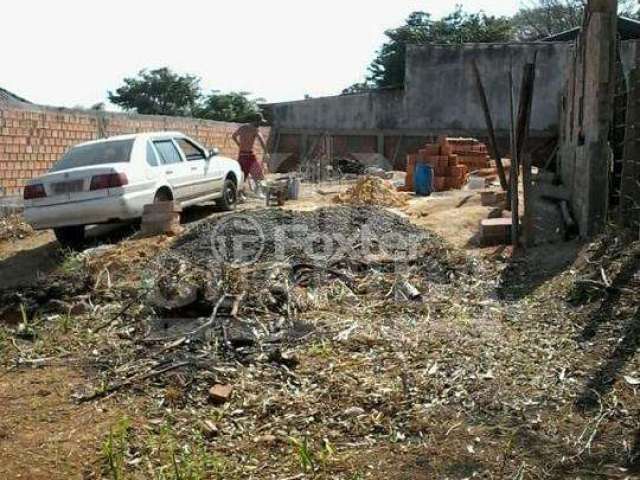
(71,237)
(229,195)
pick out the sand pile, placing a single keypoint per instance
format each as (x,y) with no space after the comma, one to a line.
(372,191)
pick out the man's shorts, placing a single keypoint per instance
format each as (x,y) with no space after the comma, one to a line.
(250,165)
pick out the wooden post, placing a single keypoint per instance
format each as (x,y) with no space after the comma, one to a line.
(492,136)
(513,171)
(522,133)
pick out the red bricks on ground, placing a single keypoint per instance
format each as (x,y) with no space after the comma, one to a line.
(495,231)
(452,160)
(439,184)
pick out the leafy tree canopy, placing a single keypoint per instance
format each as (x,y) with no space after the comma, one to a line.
(229,107)
(158,92)
(164,92)
(387,69)
(535,20)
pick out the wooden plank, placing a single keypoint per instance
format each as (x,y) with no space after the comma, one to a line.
(513,171)
(522,133)
(492,134)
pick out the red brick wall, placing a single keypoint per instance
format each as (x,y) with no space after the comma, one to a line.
(32,139)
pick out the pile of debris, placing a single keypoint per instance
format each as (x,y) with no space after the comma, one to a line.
(206,301)
(371,190)
(608,268)
(14,227)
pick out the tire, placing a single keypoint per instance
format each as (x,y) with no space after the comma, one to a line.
(70,237)
(229,196)
(162,196)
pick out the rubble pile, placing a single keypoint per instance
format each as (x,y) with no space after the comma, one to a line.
(201,306)
(14,227)
(286,235)
(608,267)
(370,190)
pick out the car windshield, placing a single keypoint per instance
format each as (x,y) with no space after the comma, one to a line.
(117,151)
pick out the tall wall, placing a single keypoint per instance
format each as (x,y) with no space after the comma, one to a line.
(585,153)
(33,137)
(356,112)
(439,97)
(440,94)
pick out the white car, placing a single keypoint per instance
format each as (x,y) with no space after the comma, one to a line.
(110,181)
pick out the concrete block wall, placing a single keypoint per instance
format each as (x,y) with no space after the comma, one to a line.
(33,138)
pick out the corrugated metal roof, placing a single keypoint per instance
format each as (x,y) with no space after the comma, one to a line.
(628,28)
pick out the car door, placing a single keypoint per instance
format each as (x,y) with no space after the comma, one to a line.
(177,171)
(196,158)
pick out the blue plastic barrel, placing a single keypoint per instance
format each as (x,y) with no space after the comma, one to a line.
(423,179)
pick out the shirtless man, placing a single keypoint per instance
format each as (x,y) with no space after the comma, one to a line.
(245,137)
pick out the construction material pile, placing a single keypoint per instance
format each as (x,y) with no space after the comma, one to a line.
(452,160)
(201,306)
(475,156)
(14,227)
(448,172)
(370,190)
(470,152)
(327,234)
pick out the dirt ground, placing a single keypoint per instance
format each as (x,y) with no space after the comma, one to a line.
(479,382)
(43,434)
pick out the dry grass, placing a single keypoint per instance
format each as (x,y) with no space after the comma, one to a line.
(490,375)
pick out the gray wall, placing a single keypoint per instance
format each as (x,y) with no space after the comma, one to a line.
(440,94)
(441,91)
(365,111)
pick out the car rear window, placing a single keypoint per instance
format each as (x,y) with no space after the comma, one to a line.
(118,151)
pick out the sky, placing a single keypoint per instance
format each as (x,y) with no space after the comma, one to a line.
(70,53)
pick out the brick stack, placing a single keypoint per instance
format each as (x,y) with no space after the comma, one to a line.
(448,173)
(471,153)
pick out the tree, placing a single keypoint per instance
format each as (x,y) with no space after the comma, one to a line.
(158,92)
(387,69)
(357,88)
(542,18)
(228,107)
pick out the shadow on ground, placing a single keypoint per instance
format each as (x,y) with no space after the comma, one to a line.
(37,260)
(527,271)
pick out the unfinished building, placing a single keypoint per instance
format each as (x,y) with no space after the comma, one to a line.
(440,97)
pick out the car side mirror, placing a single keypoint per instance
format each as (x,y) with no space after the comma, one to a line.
(215,151)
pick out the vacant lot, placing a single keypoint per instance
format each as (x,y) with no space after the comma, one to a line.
(455,362)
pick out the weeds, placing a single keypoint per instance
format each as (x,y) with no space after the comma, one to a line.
(25,329)
(322,349)
(72,263)
(190,461)
(307,458)
(115,448)
(65,322)
(305,455)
